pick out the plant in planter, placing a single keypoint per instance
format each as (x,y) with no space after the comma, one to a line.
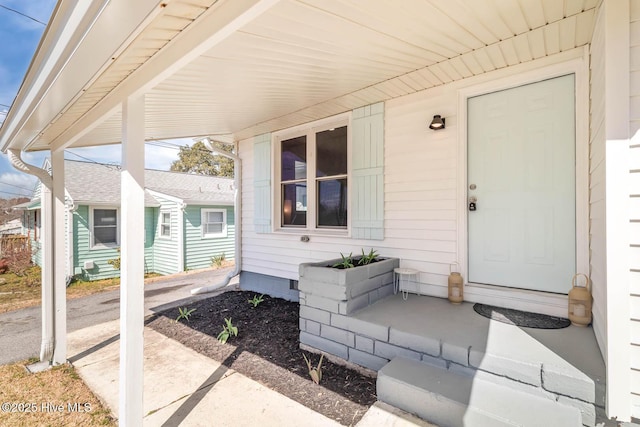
(346,262)
(348,283)
(351,262)
(369,258)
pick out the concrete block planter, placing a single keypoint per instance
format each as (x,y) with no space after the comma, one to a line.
(329,295)
(348,289)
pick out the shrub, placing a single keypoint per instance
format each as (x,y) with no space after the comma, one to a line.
(18,258)
(115,263)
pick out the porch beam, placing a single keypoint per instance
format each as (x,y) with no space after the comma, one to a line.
(59,258)
(132,264)
(618,351)
(218,23)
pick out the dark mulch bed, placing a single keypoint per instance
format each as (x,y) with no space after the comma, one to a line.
(267,350)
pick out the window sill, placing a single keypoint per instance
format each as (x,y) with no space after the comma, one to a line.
(221,236)
(315,232)
(103,246)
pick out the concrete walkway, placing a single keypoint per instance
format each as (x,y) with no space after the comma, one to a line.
(183,387)
(22,329)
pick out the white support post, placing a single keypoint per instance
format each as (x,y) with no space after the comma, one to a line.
(617,66)
(59,259)
(132,265)
(46,240)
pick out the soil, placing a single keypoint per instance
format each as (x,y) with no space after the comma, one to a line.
(267,350)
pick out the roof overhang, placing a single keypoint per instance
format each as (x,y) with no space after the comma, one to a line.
(28,206)
(195,202)
(238,68)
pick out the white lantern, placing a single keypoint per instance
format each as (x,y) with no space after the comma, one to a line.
(580,302)
(456,287)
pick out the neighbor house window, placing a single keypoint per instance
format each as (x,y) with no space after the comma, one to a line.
(104,227)
(313,178)
(165,224)
(214,223)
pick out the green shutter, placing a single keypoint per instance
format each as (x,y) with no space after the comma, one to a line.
(367,191)
(262,183)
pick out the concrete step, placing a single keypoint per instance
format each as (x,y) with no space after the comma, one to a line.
(451,399)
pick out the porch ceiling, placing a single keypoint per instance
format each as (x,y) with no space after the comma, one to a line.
(302,60)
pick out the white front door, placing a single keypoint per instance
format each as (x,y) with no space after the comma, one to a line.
(521,171)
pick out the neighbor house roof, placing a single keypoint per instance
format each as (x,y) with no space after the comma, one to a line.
(98,183)
(190,188)
(30,205)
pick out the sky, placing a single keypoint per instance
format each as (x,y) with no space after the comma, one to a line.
(19,37)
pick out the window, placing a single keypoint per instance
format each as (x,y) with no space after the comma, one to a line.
(165,224)
(313,179)
(214,223)
(104,227)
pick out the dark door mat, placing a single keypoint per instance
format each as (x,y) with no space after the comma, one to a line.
(521,318)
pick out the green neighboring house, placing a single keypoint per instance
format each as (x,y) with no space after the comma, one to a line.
(188,220)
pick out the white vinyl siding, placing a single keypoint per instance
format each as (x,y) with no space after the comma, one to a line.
(597,238)
(634,205)
(421,174)
(214,223)
(419,201)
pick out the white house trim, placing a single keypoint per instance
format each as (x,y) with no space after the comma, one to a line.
(338,120)
(71,207)
(81,15)
(224,231)
(540,302)
(161,224)
(216,25)
(92,243)
(618,326)
(181,236)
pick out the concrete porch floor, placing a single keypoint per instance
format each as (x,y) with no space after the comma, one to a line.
(474,341)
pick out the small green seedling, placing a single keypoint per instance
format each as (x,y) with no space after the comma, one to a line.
(314,373)
(347,261)
(218,260)
(256,300)
(228,330)
(185,313)
(368,259)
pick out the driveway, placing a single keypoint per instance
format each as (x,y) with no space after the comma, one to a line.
(20,331)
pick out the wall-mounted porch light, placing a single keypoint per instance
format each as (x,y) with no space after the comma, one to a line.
(437,123)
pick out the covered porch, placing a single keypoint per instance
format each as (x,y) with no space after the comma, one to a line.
(237,71)
(442,355)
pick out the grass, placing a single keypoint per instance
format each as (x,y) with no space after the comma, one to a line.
(44,393)
(21,292)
